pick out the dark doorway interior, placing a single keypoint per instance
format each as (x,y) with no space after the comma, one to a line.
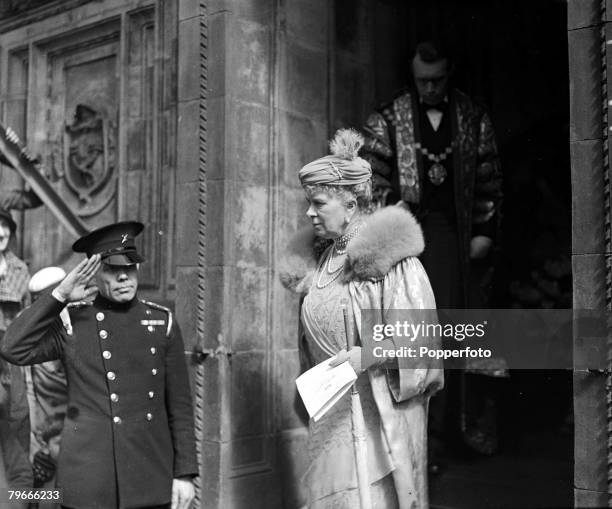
(512,56)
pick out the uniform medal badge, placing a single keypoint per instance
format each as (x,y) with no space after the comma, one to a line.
(151,324)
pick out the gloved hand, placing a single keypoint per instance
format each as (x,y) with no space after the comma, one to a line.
(353,356)
(43,468)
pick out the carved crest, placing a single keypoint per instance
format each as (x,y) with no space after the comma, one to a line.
(89,153)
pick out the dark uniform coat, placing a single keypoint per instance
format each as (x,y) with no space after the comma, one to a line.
(129,425)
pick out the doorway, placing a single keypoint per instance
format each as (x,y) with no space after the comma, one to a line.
(512,57)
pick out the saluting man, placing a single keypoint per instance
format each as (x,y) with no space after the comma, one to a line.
(128,438)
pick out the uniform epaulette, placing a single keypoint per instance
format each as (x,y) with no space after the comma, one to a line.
(79,304)
(160,308)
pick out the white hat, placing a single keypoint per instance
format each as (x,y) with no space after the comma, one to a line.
(45,278)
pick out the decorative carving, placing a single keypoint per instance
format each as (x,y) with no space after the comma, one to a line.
(89,155)
(13,7)
(18,13)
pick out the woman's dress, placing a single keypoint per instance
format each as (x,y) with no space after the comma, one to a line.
(331,477)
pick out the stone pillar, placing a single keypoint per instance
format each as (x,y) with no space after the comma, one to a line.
(265,95)
(589,135)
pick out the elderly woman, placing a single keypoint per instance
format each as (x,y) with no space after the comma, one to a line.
(364,261)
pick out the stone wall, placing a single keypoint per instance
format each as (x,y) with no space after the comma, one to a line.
(266,115)
(590,261)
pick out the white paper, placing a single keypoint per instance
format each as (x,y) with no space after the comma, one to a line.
(322,386)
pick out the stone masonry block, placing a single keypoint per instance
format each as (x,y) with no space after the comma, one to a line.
(585,499)
(218,53)
(587,197)
(251,232)
(216,145)
(187,224)
(287,314)
(292,413)
(189,59)
(211,473)
(249,145)
(256,490)
(249,291)
(249,396)
(589,277)
(188,142)
(259,11)
(585,84)
(292,459)
(583,13)
(188,9)
(304,78)
(186,304)
(250,63)
(216,243)
(590,457)
(300,140)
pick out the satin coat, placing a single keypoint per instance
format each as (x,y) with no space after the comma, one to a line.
(404,415)
(384,275)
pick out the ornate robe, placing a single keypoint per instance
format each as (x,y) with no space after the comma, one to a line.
(391,135)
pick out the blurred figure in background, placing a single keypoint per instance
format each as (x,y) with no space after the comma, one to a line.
(14,277)
(15,471)
(47,394)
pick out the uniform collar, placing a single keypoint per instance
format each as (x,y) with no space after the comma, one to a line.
(103,303)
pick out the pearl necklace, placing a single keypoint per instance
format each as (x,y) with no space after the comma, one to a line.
(341,242)
(339,247)
(326,267)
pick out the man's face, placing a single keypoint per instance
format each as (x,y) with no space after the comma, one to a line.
(118,283)
(430,79)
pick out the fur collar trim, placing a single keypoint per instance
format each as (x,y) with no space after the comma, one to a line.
(388,236)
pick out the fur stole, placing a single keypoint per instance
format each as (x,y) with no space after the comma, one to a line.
(387,237)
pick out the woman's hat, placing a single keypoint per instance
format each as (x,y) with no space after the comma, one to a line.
(5,214)
(343,167)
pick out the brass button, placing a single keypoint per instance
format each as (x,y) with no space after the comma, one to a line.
(148,312)
(106,354)
(117,419)
(154,371)
(153,350)
(99,316)
(151,394)
(149,417)
(114,397)
(103,334)
(110,375)
(150,328)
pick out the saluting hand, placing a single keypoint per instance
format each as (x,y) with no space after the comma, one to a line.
(75,286)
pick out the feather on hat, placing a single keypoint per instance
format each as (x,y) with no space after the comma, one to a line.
(343,167)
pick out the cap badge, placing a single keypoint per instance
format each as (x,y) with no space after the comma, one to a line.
(124,238)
